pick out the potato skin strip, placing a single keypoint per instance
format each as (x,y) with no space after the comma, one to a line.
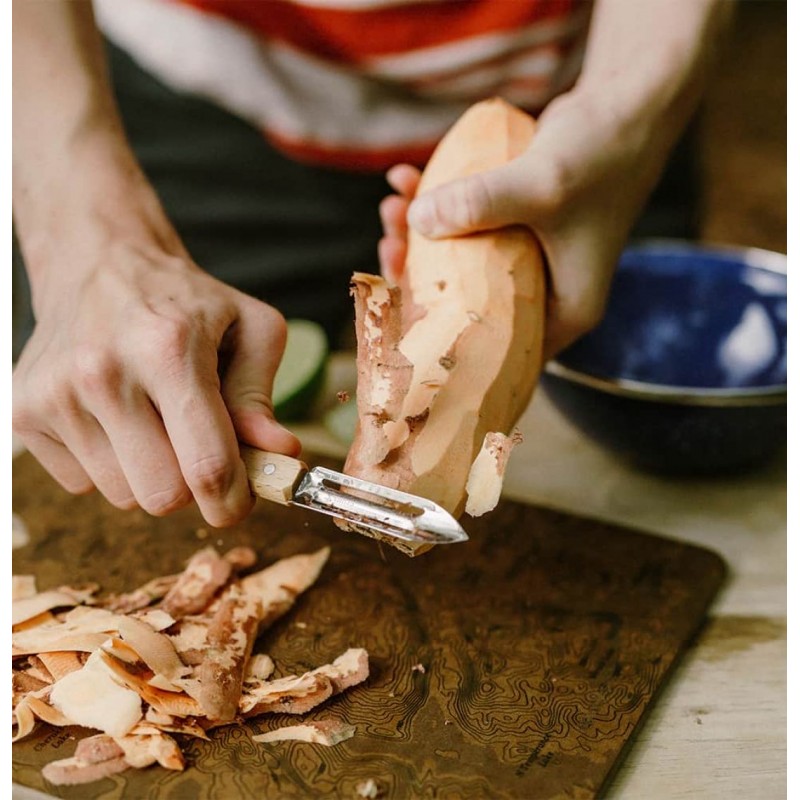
(95,757)
(142,597)
(349,669)
(48,713)
(25,719)
(216,682)
(154,721)
(52,640)
(278,585)
(23,682)
(239,558)
(60,663)
(135,677)
(297,695)
(156,618)
(46,618)
(142,750)
(29,607)
(485,480)
(327,732)
(74,772)
(206,572)
(83,628)
(94,749)
(290,695)
(155,649)
(139,672)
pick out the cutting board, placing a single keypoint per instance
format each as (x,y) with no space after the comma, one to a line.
(542,643)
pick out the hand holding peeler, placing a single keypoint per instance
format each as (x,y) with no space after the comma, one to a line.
(288,481)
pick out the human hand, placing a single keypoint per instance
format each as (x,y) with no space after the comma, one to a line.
(578,187)
(139,379)
(142,371)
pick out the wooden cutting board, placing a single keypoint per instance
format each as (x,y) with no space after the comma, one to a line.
(543,640)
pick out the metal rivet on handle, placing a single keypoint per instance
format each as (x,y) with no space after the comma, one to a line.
(269,469)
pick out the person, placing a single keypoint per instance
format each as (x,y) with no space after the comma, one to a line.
(264,129)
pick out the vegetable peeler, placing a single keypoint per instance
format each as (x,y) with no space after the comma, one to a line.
(400,515)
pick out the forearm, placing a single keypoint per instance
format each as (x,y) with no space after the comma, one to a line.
(597,153)
(75,180)
(647,62)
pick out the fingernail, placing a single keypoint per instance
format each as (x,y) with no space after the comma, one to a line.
(422,216)
(290,441)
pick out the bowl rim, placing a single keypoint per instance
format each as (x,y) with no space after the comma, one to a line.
(758,257)
(772,395)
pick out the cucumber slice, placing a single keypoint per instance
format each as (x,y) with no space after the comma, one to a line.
(301,374)
(341,420)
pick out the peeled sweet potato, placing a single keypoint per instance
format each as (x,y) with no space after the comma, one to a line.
(455,350)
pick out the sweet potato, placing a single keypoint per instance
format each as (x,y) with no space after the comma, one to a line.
(455,350)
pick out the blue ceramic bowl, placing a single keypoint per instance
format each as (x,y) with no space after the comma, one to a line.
(687,372)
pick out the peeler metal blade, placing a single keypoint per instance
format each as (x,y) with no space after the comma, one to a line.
(388,511)
(400,515)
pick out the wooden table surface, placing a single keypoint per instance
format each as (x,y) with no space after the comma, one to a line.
(719,728)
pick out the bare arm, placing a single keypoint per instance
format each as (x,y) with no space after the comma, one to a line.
(119,386)
(597,154)
(70,156)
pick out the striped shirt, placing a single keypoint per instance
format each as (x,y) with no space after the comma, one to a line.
(355,84)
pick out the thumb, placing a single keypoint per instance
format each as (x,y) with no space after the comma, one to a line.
(483,201)
(259,338)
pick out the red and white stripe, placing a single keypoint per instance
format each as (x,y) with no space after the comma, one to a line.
(330,82)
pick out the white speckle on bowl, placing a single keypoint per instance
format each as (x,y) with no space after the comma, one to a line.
(19,532)
(751,347)
(667,332)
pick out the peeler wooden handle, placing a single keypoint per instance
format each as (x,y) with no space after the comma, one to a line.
(272,476)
